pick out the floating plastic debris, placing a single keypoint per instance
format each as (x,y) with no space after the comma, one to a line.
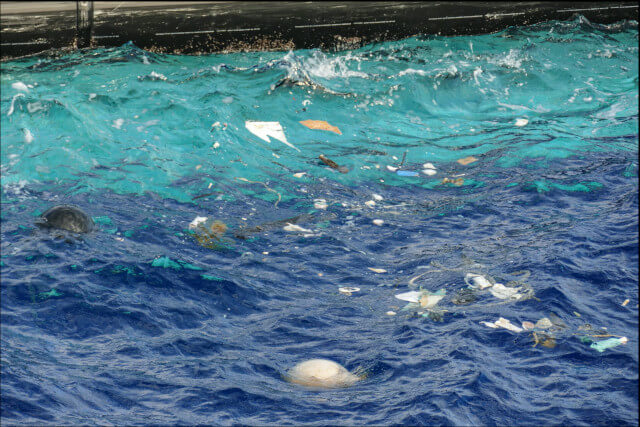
(299,174)
(521,122)
(407,173)
(227,100)
(428,166)
(429,172)
(378,221)
(390,313)
(166,262)
(608,343)
(467,160)
(197,221)
(296,228)
(429,300)
(377,270)
(320,203)
(20,86)
(527,325)
(370,203)
(625,302)
(501,291)
(392,168)
(348,290)
(543,323)
(502,323)
(264,130)
(457,182)
(321,373)
(117,123)
(478,280)
(376,197)
(413,296)
(320,125)
(28,136)
(332,164)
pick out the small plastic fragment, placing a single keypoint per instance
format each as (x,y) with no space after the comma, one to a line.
(478,280)
(299,174)
(543,323)
(407,173)
(502,292)
(467,160)
(429,172)
(390,313)
(320,203)
(608,343)
(378,221)
(428,166)
(20,86)
(625,302)
(391,168)
(502,323)
(296,228)
(521,122)
(264,130)
(377,270)
(413,296)
(165,262)
(527,325)
(376,197)
(348,290)
(320,125)
(457,182)
(430,300)
(370,203)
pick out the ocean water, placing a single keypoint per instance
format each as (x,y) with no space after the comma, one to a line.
(532,139)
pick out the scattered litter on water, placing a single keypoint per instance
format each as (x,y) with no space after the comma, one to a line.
(332,164)
(412,296)
(500,291)
(527,325)
(457,182)
(376,197)
(502,323)
(165,262)
(265,186)
(467,160)
(320,125)
(478,280)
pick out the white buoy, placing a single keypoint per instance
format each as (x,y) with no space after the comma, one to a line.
(321,373)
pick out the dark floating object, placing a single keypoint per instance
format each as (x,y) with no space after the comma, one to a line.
(65,217)
(332,164)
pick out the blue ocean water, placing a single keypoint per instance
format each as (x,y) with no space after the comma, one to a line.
(532,139)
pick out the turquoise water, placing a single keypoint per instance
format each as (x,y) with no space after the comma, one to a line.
(146,143)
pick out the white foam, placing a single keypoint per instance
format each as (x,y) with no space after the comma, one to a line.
(13,100)
(20,86)
(28,136)
(117,123)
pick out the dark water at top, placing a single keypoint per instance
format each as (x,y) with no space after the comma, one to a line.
(144,322)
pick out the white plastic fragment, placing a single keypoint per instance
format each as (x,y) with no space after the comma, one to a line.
(429,172)
(376,197)
(370,203)
(412,296)
(117,123)
(428,166)
(197,221)
(430,300)
(28,136)
(502,323)
(20,86)
(478,280)
(377,270)
(378,221)
(390,313)
(348,290)
(264,130)
(501,291)
(296,228)
(299,174)
(521,122)
(391,168)
(543,323)
(320,203)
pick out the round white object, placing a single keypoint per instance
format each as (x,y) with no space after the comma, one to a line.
(321,373)
(378,221)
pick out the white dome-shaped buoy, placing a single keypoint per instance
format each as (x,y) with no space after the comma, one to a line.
(321,373)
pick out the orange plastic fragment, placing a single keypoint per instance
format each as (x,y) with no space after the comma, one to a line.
(320,124)
(467,160)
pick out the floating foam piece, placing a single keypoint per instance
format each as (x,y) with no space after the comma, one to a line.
(28,136)
(412,296)
(264,130)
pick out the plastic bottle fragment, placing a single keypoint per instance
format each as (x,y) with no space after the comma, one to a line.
(608,343)
(430,300)
(390,313)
